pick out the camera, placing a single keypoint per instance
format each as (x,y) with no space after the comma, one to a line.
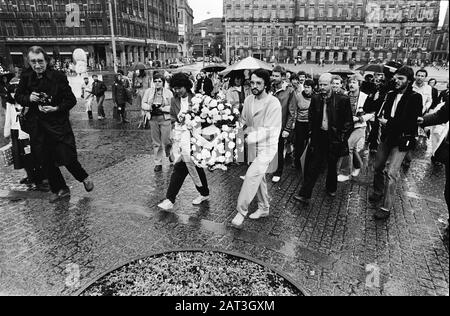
(44,99)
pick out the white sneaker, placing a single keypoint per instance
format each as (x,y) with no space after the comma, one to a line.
(259,214)
(276,179)
(238,220)
(166,205)
(356,172)
(242,178)
(342,178)
(200,200)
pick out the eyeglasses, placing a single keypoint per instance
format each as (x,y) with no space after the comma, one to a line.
(37,61)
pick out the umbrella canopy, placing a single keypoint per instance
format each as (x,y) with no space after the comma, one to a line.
(247,63)
(379,68)
(341,72)
(393,66)
(139,66)
(214,68)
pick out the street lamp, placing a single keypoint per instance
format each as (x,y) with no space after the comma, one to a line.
(113,39)
(203,34)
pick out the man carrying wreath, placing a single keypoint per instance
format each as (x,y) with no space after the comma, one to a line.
(181,103)
(263,118)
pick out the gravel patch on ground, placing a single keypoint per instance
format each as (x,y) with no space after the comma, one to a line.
(192,274)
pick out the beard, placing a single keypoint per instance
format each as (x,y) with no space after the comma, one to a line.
(257,92)
(401,87)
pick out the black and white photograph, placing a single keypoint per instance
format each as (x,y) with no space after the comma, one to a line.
(224,155)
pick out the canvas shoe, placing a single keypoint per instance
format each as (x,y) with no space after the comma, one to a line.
(276,179)
(166,205)
(259,214)
(356,172)
(238,220)
(342,178)
(200,200)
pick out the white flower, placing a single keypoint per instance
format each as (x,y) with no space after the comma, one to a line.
(213,104)
(231,145)
(236,111)
(221,159)
(224,135)
(232,135)
(239,141)
(207,100)
(221,107)
(198,156)
(214,112)
(228,155)
(209,121)
(230,117)
(227,112)
(220,148)
(225,128)
(198,119)
(194,148)
(206,154)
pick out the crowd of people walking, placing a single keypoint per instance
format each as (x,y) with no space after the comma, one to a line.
(332,122)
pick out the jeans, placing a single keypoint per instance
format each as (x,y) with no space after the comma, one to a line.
(355,145)
(180,171)
(315,157)
(160,130)
(301,139)
(385,179)
(100,108)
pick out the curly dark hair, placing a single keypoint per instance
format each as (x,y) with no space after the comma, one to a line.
(179,80)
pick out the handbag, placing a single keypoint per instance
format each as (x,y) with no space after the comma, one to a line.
(6,155)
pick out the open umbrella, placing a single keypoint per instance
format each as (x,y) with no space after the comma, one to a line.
(139,66)
(343,72)
(214,68)
(393,66)
(379,68)
(247,63)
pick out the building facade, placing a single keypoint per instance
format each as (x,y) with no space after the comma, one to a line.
(144,29)
(332,30)
(214,42)
(440,43)
(185,28)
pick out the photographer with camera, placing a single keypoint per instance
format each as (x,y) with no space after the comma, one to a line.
(48,99)
(156,106)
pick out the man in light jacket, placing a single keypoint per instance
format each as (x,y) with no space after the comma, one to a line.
(156,106)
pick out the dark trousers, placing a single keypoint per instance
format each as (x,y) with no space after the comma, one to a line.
(446,193)
(180,171)
(301,139)
(373,135)
(56,179)
(51,169)
(121,110)
(315,157)
(100,108)
(281,144)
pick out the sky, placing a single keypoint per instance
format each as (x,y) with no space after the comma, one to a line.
(205,9)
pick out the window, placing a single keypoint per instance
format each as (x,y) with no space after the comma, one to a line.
(289,42)
(28,28)
(355,42)
(11,28)
(300,41)
(311,13)
(302,12)
(337,41)
(309,41)
(327,41)
(330,12)
(345,41)
(318,41)
(246,41)
(368,41)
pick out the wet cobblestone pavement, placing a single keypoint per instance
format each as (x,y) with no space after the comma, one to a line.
(332,247)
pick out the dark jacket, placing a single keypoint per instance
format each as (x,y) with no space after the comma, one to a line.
(49,131)
(340,121)
(175,107)
(99,88)
(435,97)
(207,86)
(5,94)
(440,117)
(443,96)
(404,123)
(120,94)
(288,102)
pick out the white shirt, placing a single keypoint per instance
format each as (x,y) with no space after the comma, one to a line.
(427,95)
(394,106)
(184,107)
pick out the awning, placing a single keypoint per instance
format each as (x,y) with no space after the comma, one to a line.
(16,53)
